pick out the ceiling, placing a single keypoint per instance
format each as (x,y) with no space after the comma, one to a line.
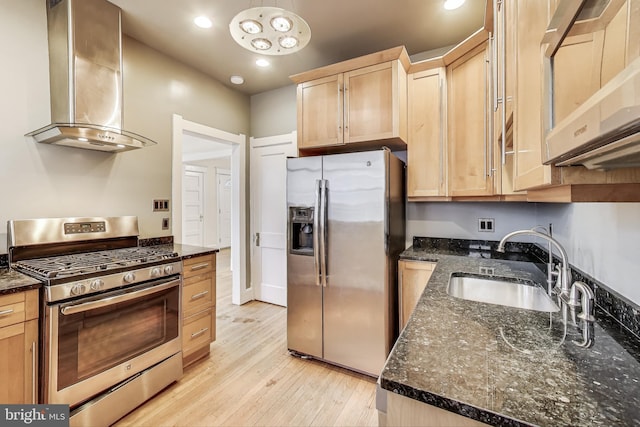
(340,30)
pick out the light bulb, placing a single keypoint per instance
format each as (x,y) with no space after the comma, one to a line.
(251,26)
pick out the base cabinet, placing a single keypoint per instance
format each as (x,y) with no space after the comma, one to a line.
(198,307)
(404,411)
(412,279)
(19,347)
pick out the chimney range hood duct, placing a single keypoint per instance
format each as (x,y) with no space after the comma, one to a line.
(85,76)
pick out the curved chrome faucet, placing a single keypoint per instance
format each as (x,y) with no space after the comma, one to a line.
(565,271)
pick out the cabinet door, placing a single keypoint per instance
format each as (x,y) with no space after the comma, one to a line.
(470,151)
(412,279)
(18,362)
(369,103)
(529,172)
(320,110)
(426,160)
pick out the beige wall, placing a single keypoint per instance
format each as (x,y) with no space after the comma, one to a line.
(274,112)
(47,181)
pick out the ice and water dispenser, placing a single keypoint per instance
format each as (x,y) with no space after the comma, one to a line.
(301,223)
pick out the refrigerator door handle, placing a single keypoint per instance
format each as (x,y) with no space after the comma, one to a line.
(387,202)
(316,234)
(323,232)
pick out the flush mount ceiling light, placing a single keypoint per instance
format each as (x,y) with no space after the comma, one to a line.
(270,30)
(203,22)
(237,80)
(453,4)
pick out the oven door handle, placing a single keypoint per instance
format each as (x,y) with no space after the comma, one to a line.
(86,306)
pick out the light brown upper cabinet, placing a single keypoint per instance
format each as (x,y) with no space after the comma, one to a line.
(455,132)
(426,148)
(502,85)
(363,101)
(470,151)
(573,80)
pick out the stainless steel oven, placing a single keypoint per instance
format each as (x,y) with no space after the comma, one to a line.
(110,313)
(105,339)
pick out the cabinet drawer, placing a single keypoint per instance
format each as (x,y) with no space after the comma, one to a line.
(197,331)
(197,292)
(199,265)
(18,307)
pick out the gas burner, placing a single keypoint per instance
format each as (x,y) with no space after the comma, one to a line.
(63,266)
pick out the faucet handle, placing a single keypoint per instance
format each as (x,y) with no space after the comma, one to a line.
(587,298)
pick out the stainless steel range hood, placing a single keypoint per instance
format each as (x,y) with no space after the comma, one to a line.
(85,75)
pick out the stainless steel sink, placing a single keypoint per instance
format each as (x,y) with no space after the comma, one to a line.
(502,291)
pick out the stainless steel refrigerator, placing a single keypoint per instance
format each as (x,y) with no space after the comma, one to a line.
(345,233)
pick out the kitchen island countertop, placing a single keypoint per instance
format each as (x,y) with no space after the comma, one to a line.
(507,366)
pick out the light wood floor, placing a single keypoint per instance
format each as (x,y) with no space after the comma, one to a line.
(251,380)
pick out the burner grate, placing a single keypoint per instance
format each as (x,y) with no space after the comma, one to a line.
(91,262)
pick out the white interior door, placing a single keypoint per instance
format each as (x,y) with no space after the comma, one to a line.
(224,208)
(193,206)
(269,216)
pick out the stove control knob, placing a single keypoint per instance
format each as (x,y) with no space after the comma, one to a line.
(78,289)
(155,272)
(168,269)
(129,277)
(97,284)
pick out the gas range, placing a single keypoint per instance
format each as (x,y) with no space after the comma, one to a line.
(83,256)
(110,314)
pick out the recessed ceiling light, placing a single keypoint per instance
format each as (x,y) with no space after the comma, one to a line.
(237,80)
(262,62)
(203,22)
(453,4)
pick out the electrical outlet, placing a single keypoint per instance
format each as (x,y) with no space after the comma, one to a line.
(486,225)
(165,223)
(160,205)
(487,271)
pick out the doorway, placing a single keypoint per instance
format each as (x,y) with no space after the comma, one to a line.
(241,287)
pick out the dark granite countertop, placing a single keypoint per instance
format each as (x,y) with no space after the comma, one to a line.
(188,251)
(508,366)
(185,251)
(11,281)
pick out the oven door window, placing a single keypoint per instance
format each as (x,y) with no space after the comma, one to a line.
(93,341)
